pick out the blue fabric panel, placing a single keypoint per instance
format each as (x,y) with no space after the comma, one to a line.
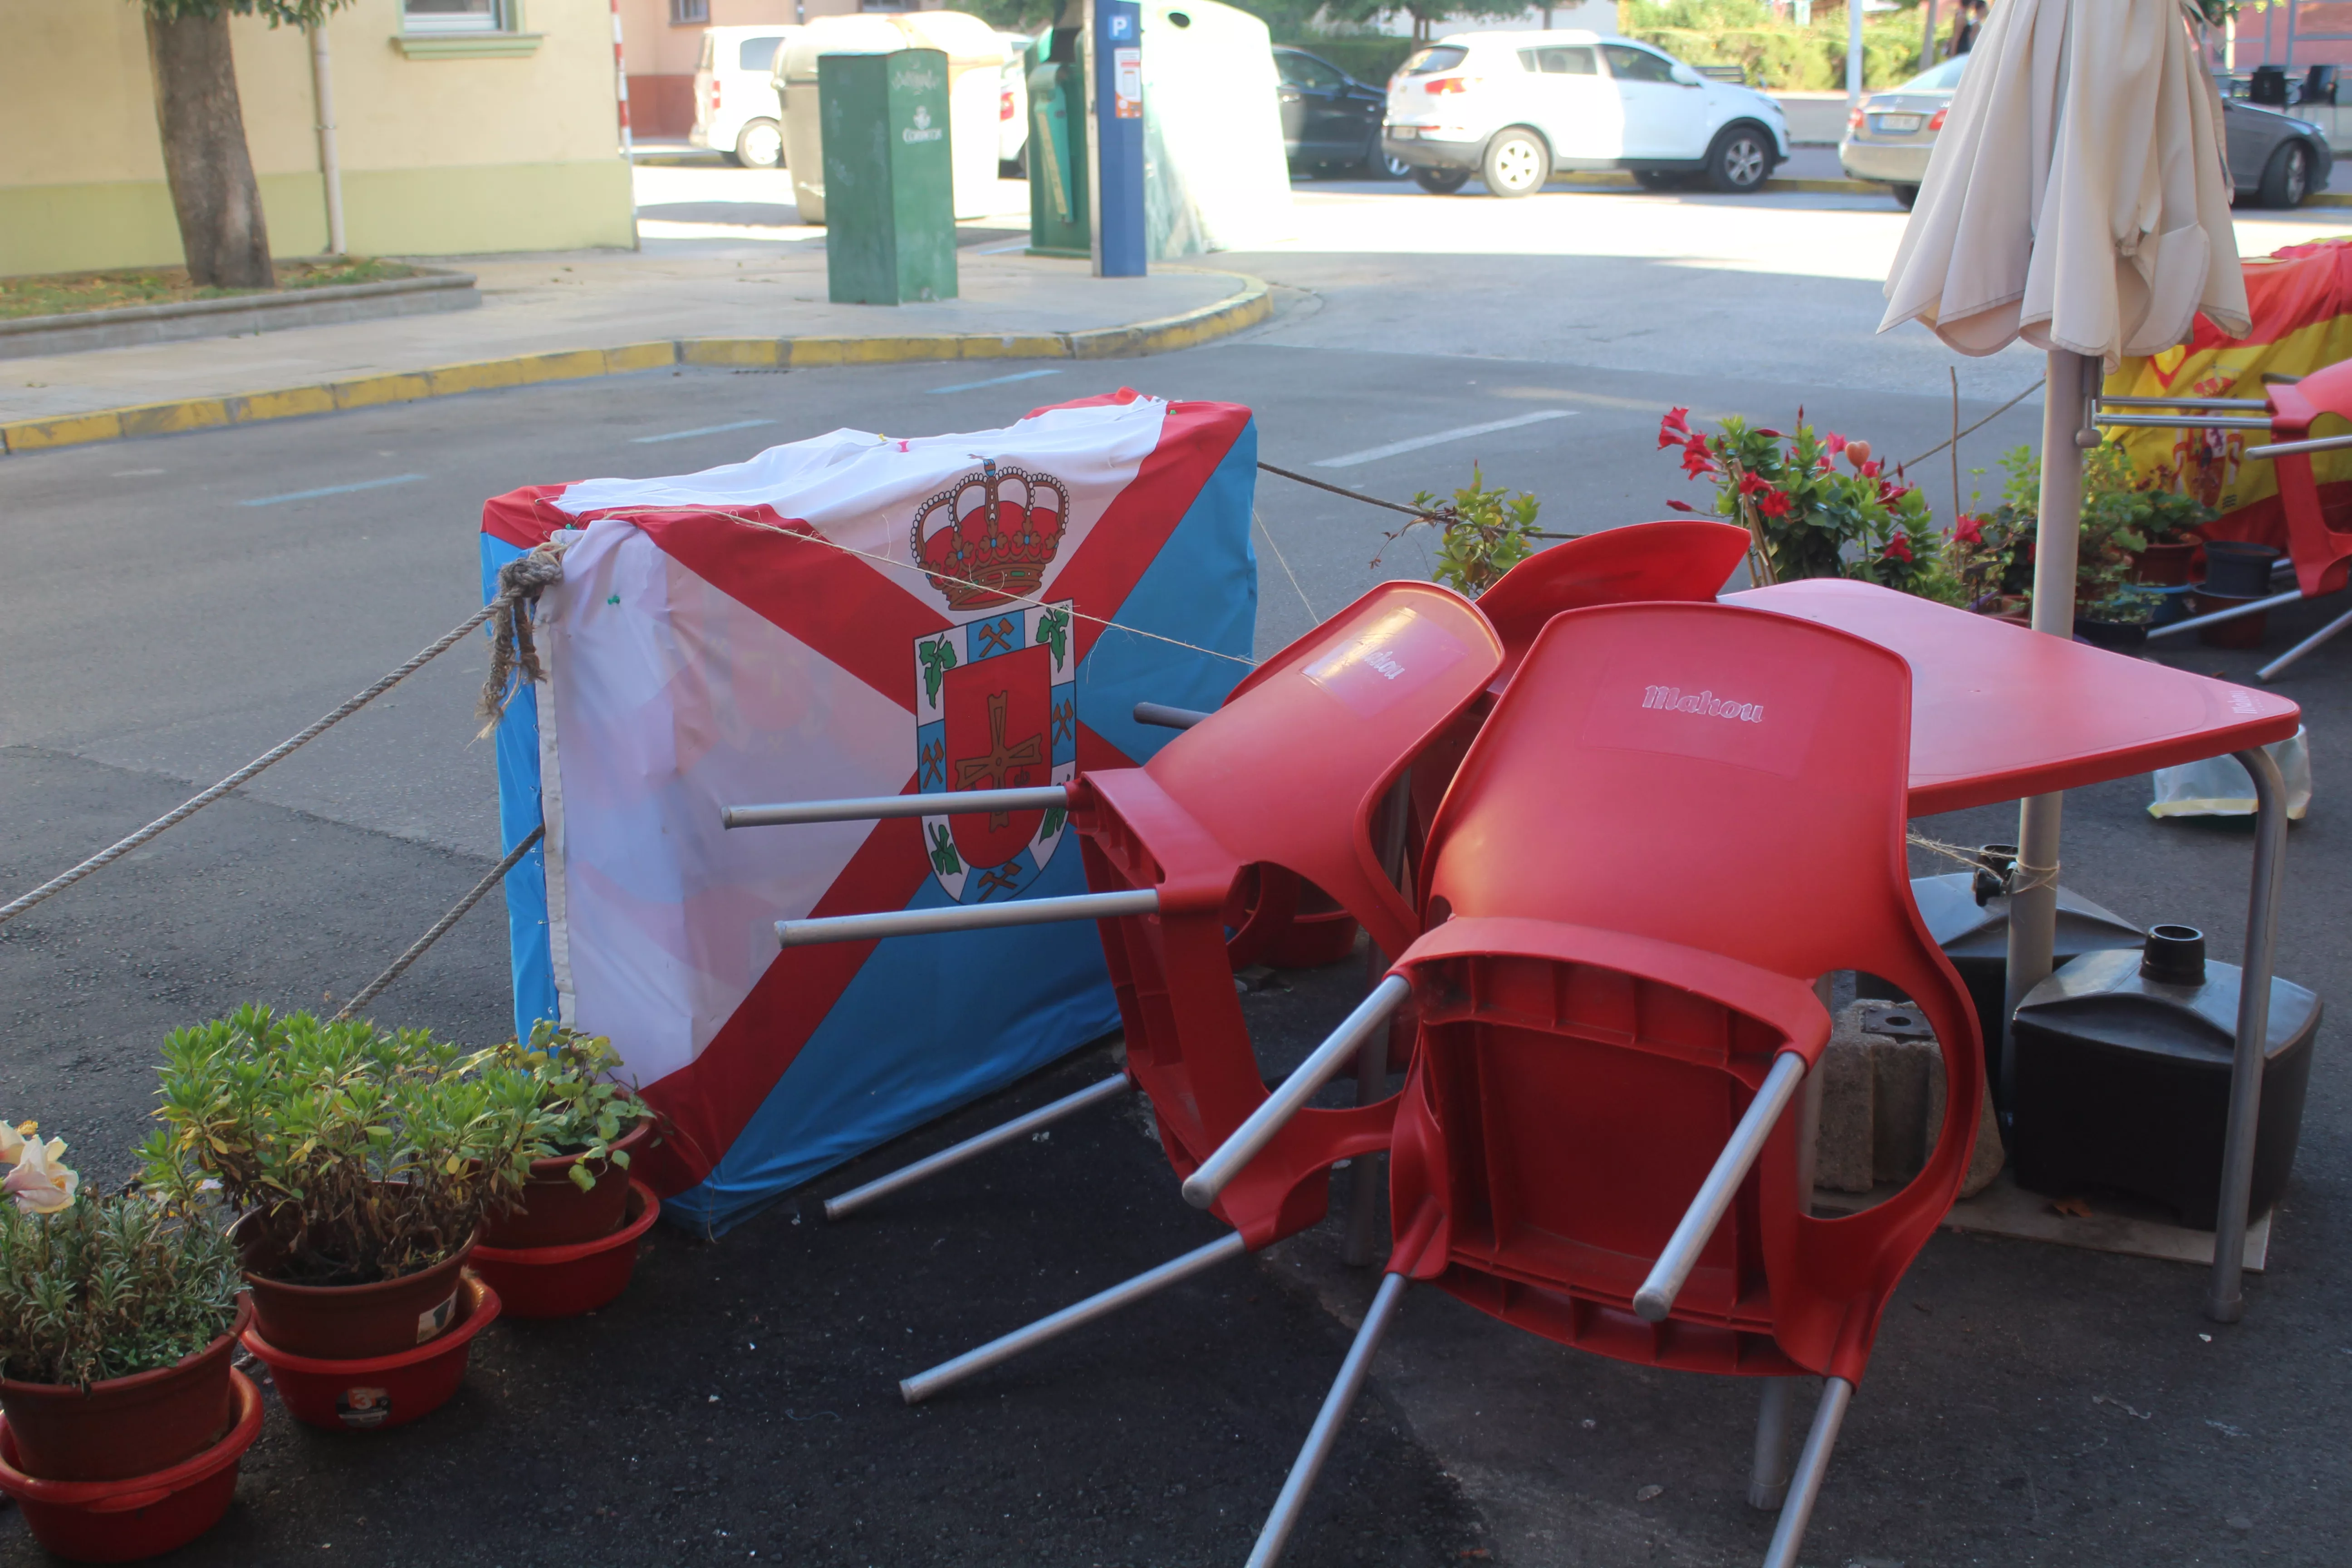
(517,741)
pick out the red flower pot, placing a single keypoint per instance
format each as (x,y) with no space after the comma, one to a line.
(2166,563)
(2246,631)
(343,1322)
(565,1281)
(123,1426)
(554,1212)
(365,1394)
(124,1519)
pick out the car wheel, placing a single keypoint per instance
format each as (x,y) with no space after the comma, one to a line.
(1741,160)
(2286,180)
(1516,164)
(1658,179)
(1441,182)
(1905,196)
(761,146)
(1382,165)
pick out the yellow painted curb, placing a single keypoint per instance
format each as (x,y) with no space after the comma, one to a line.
(1249,305)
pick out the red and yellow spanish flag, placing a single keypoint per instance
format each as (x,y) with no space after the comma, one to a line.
(2301,302)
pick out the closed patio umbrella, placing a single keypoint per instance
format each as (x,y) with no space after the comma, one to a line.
(2077,199)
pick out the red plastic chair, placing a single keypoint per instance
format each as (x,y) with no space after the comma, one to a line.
(1290,773)
(1678,818)
(2319,539)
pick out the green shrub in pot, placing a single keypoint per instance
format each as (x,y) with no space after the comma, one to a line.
(361,1155)
(584,1111)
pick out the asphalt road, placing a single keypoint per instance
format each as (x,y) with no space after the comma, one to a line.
(169,608)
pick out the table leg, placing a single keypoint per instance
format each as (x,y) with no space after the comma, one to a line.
(2225,1299)
(2032,925)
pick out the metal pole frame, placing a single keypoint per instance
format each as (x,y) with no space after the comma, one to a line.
(882,807)
(956,1154)
(1655,1300)
(1812,1467)
(965,917)
(2270,671)
(2225,1300)
(2251,608)
(1325,1434)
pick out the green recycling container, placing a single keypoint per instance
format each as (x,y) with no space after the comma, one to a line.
(889,188)
(1058,225)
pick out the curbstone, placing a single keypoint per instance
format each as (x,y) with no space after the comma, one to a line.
(432,290)
(1247,306)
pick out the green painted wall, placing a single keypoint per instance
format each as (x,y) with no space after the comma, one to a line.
(467,209)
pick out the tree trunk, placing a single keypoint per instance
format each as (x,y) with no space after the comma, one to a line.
(221,231)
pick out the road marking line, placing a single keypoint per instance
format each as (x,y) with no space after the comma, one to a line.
(702,430)
(992,381)
(1374,454)
(333,490)
(1001,248)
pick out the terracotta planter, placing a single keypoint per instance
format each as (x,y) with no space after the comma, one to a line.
(580,1276)
(124,1427)
(371,1393)
(555,1213)
(2014,609)
(2166,563)
(344,1322)
(139,1516)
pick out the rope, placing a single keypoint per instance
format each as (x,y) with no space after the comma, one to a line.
(512,652)
(1972,429)
(2021,877)
(1284,563)
(1419,515)
(285,748)
(374,988)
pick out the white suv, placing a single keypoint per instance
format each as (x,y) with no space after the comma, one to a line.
(1511,108)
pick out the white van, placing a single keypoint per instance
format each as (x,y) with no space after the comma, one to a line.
(735,106)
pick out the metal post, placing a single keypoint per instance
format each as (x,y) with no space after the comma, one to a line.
(1852,55)
(956,1154)
(1655,1298)
(1326,1430)
(331,163)
(2251,608)
(923,1384)
(966,917)
(2270,671)
(1927,45)
(2033,908)
(1768,1477)
(2225,1302)
(876,808)
(1814,1464)
(1167,718)
(1364,1173)
(1201,1187)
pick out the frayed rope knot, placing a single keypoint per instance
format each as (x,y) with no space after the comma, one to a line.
(514,656)
(2019,877)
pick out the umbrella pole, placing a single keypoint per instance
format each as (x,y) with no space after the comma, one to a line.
(2034,908)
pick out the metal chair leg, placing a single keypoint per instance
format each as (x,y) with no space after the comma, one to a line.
(2225,1300)
(1655,1298)
(965,917)
(980,1144)
(1805,1488)
(1768,1479)
(923,1384)
(2270,671)
(1324,1433)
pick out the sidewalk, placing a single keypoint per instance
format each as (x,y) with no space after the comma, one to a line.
(560,316)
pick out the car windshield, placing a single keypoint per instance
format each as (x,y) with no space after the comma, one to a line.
(1943,79)
(758,54)
(1435,58)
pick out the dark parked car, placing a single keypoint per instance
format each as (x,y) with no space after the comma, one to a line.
(1330,120)
(2275,159)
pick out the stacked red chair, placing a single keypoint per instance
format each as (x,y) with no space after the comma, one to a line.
(1293,772)
(1678,819)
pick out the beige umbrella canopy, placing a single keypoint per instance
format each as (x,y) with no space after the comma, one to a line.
(2077,199)
(2077,196)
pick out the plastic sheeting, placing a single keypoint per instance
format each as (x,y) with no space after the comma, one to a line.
(1214,174)
(2221,787)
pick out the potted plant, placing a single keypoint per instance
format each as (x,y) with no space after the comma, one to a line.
(1817,505)
(1481,533)
(125,1421)
(2168,521)
(363,1162)
(593,1124)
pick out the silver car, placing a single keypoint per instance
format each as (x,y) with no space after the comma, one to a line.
(2275,160)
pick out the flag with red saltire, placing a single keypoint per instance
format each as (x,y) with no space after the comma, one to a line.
(851,616)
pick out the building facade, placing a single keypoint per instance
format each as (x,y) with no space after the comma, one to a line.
(464,126)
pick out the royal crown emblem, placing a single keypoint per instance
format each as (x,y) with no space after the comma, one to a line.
(994,548)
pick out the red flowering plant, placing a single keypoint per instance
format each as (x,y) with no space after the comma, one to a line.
(1810,514)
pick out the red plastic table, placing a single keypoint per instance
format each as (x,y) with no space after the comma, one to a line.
(1999,712)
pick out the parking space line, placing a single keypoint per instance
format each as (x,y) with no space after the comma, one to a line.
(332,490)
(993,380)
(1374,454)
(701,430)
